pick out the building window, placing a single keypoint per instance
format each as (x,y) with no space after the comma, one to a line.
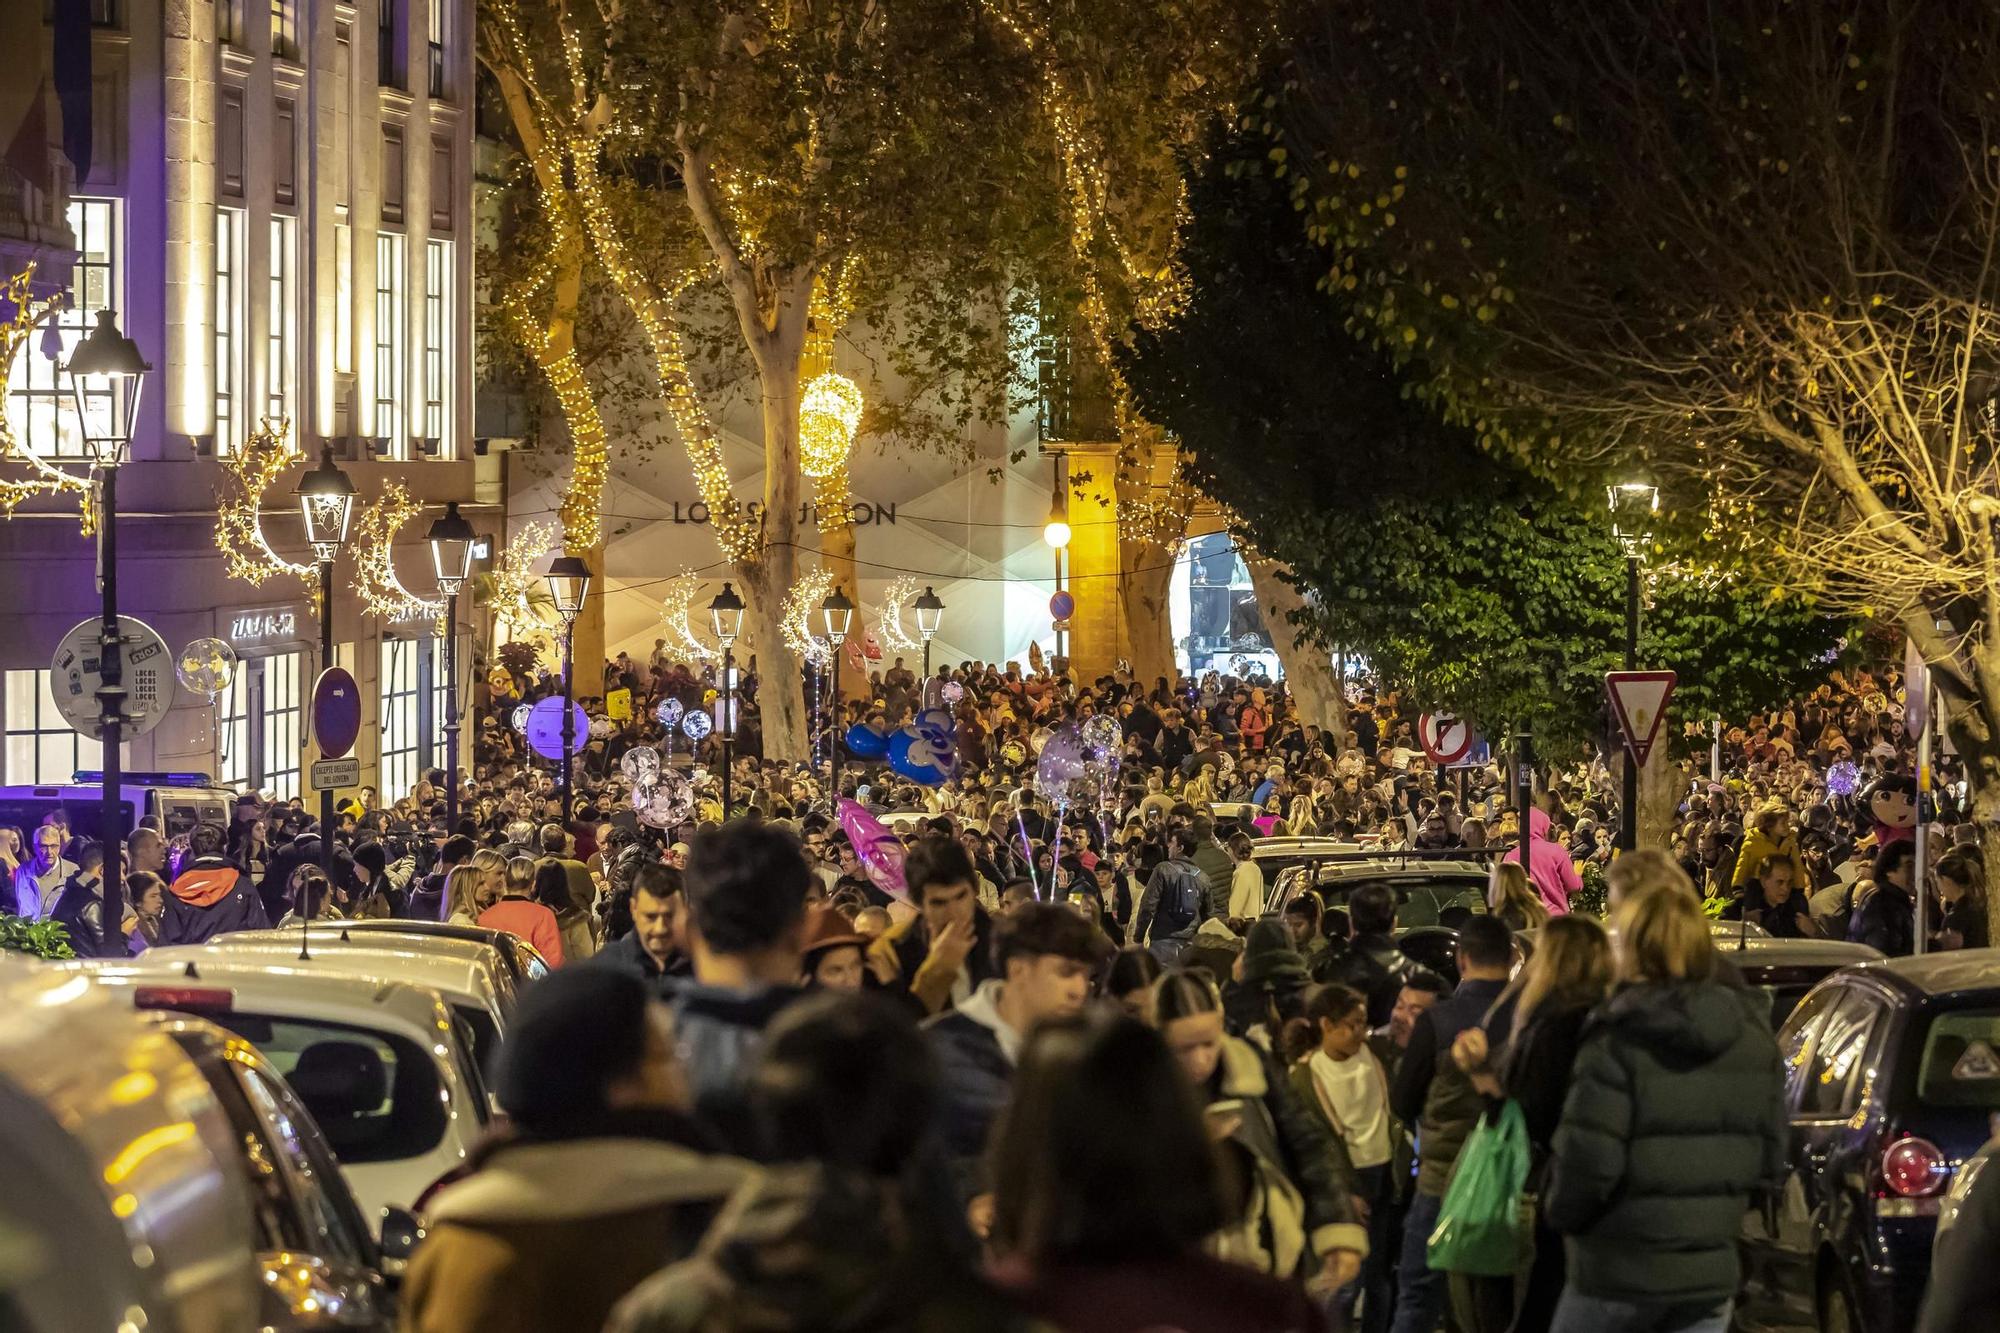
(434,684)
(397,774)
(435,35)
(228,328)
(229,22)
(39,407)
(388,66)
(285,29)
(281,333)
(260,726)
(389,423)
(40,747)
(437,344)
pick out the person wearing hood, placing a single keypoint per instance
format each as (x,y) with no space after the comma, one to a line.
(1266,986)
(210,896)
(1674,1118)
(601,1181)
(842,1231)
(1549,866)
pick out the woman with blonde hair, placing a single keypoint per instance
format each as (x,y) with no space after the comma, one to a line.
(1567,976)
(1510,897)
(462,892)
(1673,1119)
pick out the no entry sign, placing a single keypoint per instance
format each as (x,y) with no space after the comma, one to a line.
(1445,738)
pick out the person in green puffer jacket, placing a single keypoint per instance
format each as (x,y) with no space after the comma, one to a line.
(1674,1118)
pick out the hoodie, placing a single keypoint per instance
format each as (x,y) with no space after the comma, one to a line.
(1549,866)
(210,897)
(1674,1116)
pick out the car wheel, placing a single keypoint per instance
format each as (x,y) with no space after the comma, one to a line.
(1836,1305)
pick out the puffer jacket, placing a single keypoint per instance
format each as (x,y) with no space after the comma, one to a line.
(808,1248)
(1673,1118)
(209,898)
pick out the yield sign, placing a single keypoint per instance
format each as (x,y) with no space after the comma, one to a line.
(1639,702)
(1445,738)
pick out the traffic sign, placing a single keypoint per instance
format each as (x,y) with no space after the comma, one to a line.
(545,727)
(1639,702)
(333,774)
(336,713)
(148,677)
(1445,738)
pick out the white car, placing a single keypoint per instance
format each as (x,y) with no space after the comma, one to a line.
(470,975)
(385,1068)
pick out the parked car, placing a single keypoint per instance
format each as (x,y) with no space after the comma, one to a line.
(518,956)
(178,801)
(1429,891)
(386,1069)
(472,975)
(1892,1073)
(1785,969)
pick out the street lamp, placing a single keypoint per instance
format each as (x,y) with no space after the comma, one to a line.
(326,505)
(836,613)
(1056,534)
(1633,505)
(725,616)
(568,581)
(451,539)
(930,613)
(107,370)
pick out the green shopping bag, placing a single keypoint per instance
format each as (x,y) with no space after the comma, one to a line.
(1481,1228)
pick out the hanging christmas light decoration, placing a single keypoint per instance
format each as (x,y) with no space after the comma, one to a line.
(44,479)
(375,528)
(889,628)
(674,603)
(802,604)
(829,413)
(516,579)
(239,519)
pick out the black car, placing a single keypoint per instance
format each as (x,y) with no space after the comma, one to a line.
(1787,969)
(1891,1072)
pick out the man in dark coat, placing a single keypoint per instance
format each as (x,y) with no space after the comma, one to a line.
(211,896)
(1371,963)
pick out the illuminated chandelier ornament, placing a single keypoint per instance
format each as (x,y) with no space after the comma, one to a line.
(239,520)
(829,413)
(375,529)
(674,602)
(889,628)
(516,579)
(802,604)
(45,479)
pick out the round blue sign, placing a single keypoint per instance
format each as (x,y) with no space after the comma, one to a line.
(545,728)
(336,713)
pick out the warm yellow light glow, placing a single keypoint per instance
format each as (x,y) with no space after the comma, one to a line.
(829,412)
(136,1153)
(1056,533)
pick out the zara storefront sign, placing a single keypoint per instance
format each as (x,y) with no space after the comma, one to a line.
(248,629)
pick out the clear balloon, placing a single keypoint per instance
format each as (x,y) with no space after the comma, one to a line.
(951,692)
(668,711)
(1102,736)
(206,666)
(600,728)
(641,765)
(1064,774)
(696,725)
(669,803)
(521,716)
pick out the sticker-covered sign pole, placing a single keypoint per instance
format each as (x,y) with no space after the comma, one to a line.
(326,504)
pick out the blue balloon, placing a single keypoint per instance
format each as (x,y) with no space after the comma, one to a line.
(912,766)
(864,742)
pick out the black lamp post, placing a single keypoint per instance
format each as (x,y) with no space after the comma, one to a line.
(725,615)
(836,613)
(930,613)
(568,581)
(326,504)
(451,539)
(105,375)
(1633,505)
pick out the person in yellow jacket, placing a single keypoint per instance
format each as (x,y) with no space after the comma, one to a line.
(1770,834)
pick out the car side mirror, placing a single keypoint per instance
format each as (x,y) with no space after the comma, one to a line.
(401,1234)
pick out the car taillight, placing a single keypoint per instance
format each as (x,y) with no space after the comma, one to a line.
(194,999)
(1913,1167)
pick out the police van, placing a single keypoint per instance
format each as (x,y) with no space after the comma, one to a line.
(176,801)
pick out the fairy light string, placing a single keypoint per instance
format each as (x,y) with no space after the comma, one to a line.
(44,479)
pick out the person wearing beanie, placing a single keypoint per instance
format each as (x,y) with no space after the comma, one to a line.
(1267,985)
(599,1180)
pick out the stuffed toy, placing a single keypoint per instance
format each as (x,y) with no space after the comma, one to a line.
(1890,803)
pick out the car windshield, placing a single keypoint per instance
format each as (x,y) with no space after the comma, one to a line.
(1961,1064)
(375,1095)
(485,1034)
(1783,986)
(1421,900)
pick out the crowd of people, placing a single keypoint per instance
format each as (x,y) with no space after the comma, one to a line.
(1077,1069)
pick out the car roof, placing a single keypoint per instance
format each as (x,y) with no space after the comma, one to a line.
(279,987)
(1397,868)
(1770,951)
(457,966)
(505,943)
(1953,972)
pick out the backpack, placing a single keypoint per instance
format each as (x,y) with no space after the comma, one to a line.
(1180,900)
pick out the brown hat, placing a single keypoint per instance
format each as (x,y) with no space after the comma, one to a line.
(828,929)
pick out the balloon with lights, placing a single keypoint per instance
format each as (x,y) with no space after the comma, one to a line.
(208,667)
(641,765)
(695,725)
(521,717)
(668,712)
(666,803)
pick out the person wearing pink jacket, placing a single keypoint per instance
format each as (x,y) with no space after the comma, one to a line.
(1549,867)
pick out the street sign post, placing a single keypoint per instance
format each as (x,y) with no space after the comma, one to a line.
(1445,738)
(336,714)
(1639,703)
(333,774)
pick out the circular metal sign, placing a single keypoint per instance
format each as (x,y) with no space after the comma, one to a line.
(545,727)
(336,713)
(147,679)
(1444,738)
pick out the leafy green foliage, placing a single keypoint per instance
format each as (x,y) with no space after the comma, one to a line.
(1470,584)
(38,939)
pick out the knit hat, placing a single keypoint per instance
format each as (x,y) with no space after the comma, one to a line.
(573,1032)
(1270,960)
